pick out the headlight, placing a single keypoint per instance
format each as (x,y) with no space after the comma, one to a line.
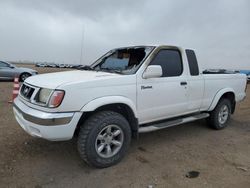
(50,98)
(43,95)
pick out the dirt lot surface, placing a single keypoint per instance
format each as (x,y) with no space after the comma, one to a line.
(157,159)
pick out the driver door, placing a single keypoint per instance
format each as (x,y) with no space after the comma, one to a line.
(165,96)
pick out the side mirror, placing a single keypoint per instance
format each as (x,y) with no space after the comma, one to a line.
(152,71)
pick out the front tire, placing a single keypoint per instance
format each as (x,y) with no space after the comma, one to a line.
(220,116)
(104,139)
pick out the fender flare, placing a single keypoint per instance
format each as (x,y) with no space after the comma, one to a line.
(102,101)
(218,96)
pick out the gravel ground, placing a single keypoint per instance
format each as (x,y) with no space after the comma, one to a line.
(157,159)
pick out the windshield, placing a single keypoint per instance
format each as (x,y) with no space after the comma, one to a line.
(122,60)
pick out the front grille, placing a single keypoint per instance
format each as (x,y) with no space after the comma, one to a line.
(26,91)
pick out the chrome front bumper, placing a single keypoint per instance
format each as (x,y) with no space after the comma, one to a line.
(50,126)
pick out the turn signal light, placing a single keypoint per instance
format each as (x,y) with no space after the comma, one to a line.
(56,98)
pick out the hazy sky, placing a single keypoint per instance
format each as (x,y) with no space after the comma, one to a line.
(51,30)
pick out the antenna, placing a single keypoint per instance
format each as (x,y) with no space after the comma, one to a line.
(82,44)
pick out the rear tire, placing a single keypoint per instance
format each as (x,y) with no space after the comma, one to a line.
(104,139)
(220,116)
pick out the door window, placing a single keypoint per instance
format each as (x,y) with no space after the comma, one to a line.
(192,62)
(2,64)
(170,62)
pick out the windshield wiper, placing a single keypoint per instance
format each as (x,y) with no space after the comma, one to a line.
(86,67)
(111,70)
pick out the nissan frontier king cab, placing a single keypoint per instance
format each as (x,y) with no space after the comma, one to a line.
(127,91)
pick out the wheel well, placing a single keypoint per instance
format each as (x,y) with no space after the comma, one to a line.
(231,97)
(22,74)
(120,108)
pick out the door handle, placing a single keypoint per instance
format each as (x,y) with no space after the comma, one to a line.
(183,83)
(146,87)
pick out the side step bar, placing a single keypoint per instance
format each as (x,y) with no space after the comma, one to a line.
(171,123)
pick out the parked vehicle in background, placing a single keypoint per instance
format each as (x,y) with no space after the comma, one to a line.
(61,65)
(52,65)
(41,65)
(9,71)
(69,66)
(247,72)
(127,91)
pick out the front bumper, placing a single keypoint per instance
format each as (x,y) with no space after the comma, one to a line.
(50,126)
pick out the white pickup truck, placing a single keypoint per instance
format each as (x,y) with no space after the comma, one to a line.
(127,91)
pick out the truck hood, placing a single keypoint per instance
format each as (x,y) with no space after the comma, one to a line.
(54,80)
